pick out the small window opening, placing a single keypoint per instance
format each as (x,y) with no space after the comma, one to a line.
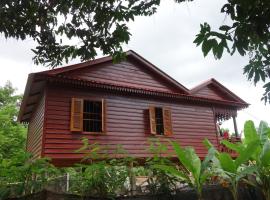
(92,116)
(159,121)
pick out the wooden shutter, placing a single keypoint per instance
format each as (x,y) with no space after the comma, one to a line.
(152,116)
(167,121)
(76,119)
(103,115)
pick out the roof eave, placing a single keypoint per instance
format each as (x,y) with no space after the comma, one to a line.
(70,80)
(25,96)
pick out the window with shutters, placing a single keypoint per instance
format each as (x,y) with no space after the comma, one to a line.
(160,120)
(87,115)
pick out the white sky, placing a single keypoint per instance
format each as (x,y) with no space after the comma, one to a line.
(166,40)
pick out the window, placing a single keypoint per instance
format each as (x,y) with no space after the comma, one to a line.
(87,115)
(92,116)
(160,121)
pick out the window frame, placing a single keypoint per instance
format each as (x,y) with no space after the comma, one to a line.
(153,131)
(161,119)
(103,117)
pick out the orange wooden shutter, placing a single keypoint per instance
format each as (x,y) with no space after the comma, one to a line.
(76,119)
(103,115)
(152,116)
(167,121)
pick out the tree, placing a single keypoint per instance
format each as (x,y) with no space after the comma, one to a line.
(95,26)
(248,32)
(92,25)
(12,134)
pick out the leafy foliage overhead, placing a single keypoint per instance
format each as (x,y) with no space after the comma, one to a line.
(92,25)
(247,32)
(71,29)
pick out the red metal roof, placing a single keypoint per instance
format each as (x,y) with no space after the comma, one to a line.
(129,54)
(37,81)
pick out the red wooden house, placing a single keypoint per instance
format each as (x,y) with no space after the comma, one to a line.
(125,103)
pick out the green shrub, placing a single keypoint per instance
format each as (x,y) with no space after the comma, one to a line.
(21,175)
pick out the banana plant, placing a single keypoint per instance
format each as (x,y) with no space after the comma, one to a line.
(256,148)
(235,170)
(260,157)
(193,171)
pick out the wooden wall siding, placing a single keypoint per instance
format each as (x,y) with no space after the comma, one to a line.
(124,73)
(127,123)
(35,130)
(212,92)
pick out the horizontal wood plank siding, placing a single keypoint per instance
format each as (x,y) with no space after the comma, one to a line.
(35,130)
(127,124)
(124,73)
(210,91)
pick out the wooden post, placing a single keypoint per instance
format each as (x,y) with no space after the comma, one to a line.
(132,179)
(235,126)
(67,186)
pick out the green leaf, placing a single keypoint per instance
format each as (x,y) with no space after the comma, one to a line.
(265,155)
(246,153)
(207,143)
(256,77)
(250,132)
(247,170)
(232,146)
(227,163)
(219,50)
(188,158)
(195,162)
(224,28)
(208,158)
(240,48)
(199,39)
(173,171)
(84,146)
(263,131)
(262,74)
(208,45)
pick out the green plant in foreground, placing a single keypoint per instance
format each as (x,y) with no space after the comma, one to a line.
(259,154)
(21,175)
(238,169)
(235,170)
(101,174)
(194,171)
(100,179)
(159,182)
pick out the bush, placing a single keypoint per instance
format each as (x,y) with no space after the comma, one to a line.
(21,175)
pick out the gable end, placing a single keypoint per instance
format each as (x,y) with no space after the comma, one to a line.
(214,90)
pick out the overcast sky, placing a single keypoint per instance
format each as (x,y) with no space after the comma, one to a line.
(166,40)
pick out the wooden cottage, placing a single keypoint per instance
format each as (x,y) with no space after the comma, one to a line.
(125,103)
